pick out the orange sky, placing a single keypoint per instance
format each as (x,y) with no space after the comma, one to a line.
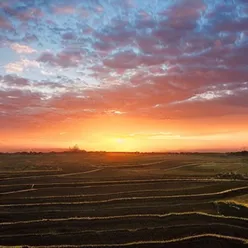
(116,133)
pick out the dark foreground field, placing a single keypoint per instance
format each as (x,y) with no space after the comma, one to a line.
(123,200)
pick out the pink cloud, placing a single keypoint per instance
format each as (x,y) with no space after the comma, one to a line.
(5,23)
(63,59)
(67,10)
(69,36)
(22,48)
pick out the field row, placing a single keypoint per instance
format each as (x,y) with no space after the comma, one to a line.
(79,233)
(75,191)
(130,199)
(202,240)
(74,211)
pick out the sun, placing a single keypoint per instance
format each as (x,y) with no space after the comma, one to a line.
(119,140)
(121,144)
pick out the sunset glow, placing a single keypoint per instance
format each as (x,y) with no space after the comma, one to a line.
(124,75)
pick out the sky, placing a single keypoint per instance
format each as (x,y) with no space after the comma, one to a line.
(124,75)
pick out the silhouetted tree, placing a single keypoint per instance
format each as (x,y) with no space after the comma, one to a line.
(75,148)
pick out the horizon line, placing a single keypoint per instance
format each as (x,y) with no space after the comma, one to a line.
(134,152)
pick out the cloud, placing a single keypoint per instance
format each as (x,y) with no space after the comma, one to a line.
(159,59)
(25,102)
(22,48)
(62,59)
(14,81)
(20,66)
(67,10)
(14,67)
(129,59)
(69,36)
(124,60)
(5,23)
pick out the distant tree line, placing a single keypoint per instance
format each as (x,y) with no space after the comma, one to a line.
(76,149)
(241,153)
